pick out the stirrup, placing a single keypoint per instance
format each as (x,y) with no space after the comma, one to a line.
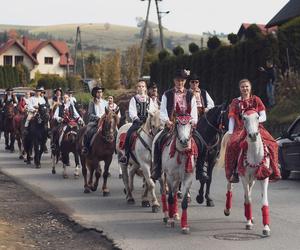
(123,159)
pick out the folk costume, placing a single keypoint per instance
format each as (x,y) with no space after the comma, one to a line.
(10,97)
(186,102)
(62,113)
(139,106)
(95,111)
(238,135)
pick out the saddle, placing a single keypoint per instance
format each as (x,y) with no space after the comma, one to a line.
(133,140)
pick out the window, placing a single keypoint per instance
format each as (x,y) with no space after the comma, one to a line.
(19,59)
(48,60)
(8,60)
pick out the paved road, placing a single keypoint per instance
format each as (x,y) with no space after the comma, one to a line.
(134,227)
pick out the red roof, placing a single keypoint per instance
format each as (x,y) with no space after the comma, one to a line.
(32,47)
(262,28)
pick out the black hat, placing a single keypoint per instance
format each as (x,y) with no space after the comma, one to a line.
(182,73)
(95,89)
(40,89)
(58,89)
(194,77)
(9,89)
(153,85)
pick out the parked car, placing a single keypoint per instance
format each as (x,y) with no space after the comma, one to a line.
(289,149)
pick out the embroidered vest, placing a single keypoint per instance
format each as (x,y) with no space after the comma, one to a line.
(142,108)
(62,111)
(170,94)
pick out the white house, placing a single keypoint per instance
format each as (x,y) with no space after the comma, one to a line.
(45,57)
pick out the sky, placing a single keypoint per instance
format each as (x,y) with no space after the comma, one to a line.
(188,16)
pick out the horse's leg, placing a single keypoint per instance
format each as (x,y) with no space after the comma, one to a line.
(53,156)
(76,173)
(164,198)
(84,174)
(265,207)
(95,168)
(247,203)
(12,142)
(125,178)
(151,186)
(105,189)
(6,137)
(145,200)
(120,172)
(184,203)
(200,197)
(36,153)
(228,204)
(209,201)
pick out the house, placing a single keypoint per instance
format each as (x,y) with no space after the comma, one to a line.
(288,12)
(45,57)
(264,30)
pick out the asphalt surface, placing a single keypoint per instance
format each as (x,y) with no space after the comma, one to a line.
(134,227)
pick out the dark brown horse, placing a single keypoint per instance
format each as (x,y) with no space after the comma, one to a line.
(102,149)
(8,128)
(19,129)
(67,146)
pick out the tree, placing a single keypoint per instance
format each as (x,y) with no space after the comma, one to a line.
(163,54)
(233,38)
(253,32)
(178,51)
(193,48)
(23,73)
(111,70)
(213,42)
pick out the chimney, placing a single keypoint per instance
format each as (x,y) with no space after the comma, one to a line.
(25,42)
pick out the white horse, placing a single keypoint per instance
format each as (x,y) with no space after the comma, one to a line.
(141,165)
(178,163)
(254,157)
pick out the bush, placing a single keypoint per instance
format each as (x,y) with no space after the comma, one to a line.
(193,48)
(163,54)
(178,51)
(213,43)
(52,82)
(232,38)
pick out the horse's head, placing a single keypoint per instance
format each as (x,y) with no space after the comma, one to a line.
(110,124)
(251,123)
(216,118)
(184,129)
(71,130)
(42,115)
(9,110)
(153,123)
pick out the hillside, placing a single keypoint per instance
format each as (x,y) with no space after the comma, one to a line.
(104,36)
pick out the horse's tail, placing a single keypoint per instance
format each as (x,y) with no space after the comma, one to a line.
(221,159)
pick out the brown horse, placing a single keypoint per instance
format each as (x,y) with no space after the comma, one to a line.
(8,128)
(67,146)
(19,129)
(102,149)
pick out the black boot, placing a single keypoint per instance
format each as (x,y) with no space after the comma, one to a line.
(157,162)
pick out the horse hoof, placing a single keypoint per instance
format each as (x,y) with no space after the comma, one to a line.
(266,233)
(179,195)
(145,204)
(185,230)
(124,190)
(130,201)
(210,203)
(199,199)
(86,190)
(165,220)
(106,193)
(94,188)
(249,227)
(53,171)
(76,175)
(38,166)
(65,176)
(155,209)
(21,157)
(120,176)
(28,162)
(226,212)
(176,216)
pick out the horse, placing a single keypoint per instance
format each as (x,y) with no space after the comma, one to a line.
(67,146)
(211,127)
(140,160)
(8,128)
(19,129)
(179,156)
(102,149)
(253,164)
(37,135)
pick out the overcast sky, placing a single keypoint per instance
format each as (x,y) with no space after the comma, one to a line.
(188,16)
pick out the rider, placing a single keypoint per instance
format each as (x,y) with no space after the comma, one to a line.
(10,97)
(33,105)
(182,97)
(113,106)
(72,98)
(65,109)
(153,93)
(237,134)
(96,111)
(57,98)
(203,99)
(139,106)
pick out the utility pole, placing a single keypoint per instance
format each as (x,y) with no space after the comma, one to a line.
(144,38)
(79,41)
(160,25)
